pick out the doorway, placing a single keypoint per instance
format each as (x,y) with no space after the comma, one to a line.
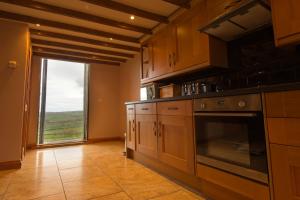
(63,102)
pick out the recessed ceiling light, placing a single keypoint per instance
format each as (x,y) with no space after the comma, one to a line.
(38,25)
(132,17)
(110,38)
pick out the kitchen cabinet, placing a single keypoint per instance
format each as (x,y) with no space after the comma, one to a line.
(283,104)
(131,127)
(147,60)
(286,21)
(130,136)
(196,48)
(180,47)
(146,130)
(286,171)
(175,142)
(163,51)
(175,135)
(283,119)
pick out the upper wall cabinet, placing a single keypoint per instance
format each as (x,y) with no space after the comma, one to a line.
(180,47)
(286,21)
(195,48)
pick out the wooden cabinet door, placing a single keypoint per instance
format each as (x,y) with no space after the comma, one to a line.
(162,61)
(193,46)
(131,127)
(286,172)
(286,21)
(147,60)
(146,126)
(175,142)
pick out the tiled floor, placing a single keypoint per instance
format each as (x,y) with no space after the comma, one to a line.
(94,171)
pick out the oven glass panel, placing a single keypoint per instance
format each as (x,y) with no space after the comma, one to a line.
(238,140)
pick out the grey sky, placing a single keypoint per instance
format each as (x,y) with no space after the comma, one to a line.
(65,85)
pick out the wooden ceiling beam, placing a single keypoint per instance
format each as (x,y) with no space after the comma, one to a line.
(113,5)
(80,48)
(69,27)
(73,59)
(78,15)
(181,3)
(82,40)
(75,53)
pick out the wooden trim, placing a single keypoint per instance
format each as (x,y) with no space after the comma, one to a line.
(176,73)
(82,40)
(65,26)
(89,141)
(180,3)
(45,146)
(129,9)
(75,53)
(242,186)
(81,48)
(74,59)
(76,14)
(96,140)
(10,165)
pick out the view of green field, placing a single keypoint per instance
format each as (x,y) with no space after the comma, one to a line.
(63,126)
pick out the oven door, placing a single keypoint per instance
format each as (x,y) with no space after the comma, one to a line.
(232,141)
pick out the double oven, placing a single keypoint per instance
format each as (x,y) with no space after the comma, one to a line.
(230,135)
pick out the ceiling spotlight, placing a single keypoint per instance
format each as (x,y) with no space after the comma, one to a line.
(38,25)
(132,17)
(110,38)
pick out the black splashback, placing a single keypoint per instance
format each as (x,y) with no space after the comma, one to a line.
(255,60)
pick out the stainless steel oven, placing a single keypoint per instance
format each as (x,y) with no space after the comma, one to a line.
(230,135)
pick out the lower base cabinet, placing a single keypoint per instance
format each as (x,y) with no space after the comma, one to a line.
(286,172)
(146,135)
(130,137)
(175,142)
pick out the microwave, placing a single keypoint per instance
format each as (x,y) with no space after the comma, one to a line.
(149,91)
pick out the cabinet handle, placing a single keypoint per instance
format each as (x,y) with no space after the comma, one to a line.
(154,128)
(172,108)
(170,60)
(159,128)
(174,59)
(133,126)
(145,108)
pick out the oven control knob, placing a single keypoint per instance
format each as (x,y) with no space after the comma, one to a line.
(242,104)
(202,105)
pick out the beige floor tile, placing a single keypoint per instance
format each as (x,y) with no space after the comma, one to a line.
(132,175)
(41,159)
(115,161)
(80,173)
(60,196)
(35,174)
(75,162)
(149,189)
(5,178)
(90,188)
(181,194)
(117,196)
(32,190)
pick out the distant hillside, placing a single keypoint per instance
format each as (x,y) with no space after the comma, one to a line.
(62,126)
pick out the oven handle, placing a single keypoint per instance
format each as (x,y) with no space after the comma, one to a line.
(226,114)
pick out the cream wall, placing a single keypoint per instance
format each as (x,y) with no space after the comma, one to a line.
(104,101)
(34,100)
(14,42)
(129,86)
